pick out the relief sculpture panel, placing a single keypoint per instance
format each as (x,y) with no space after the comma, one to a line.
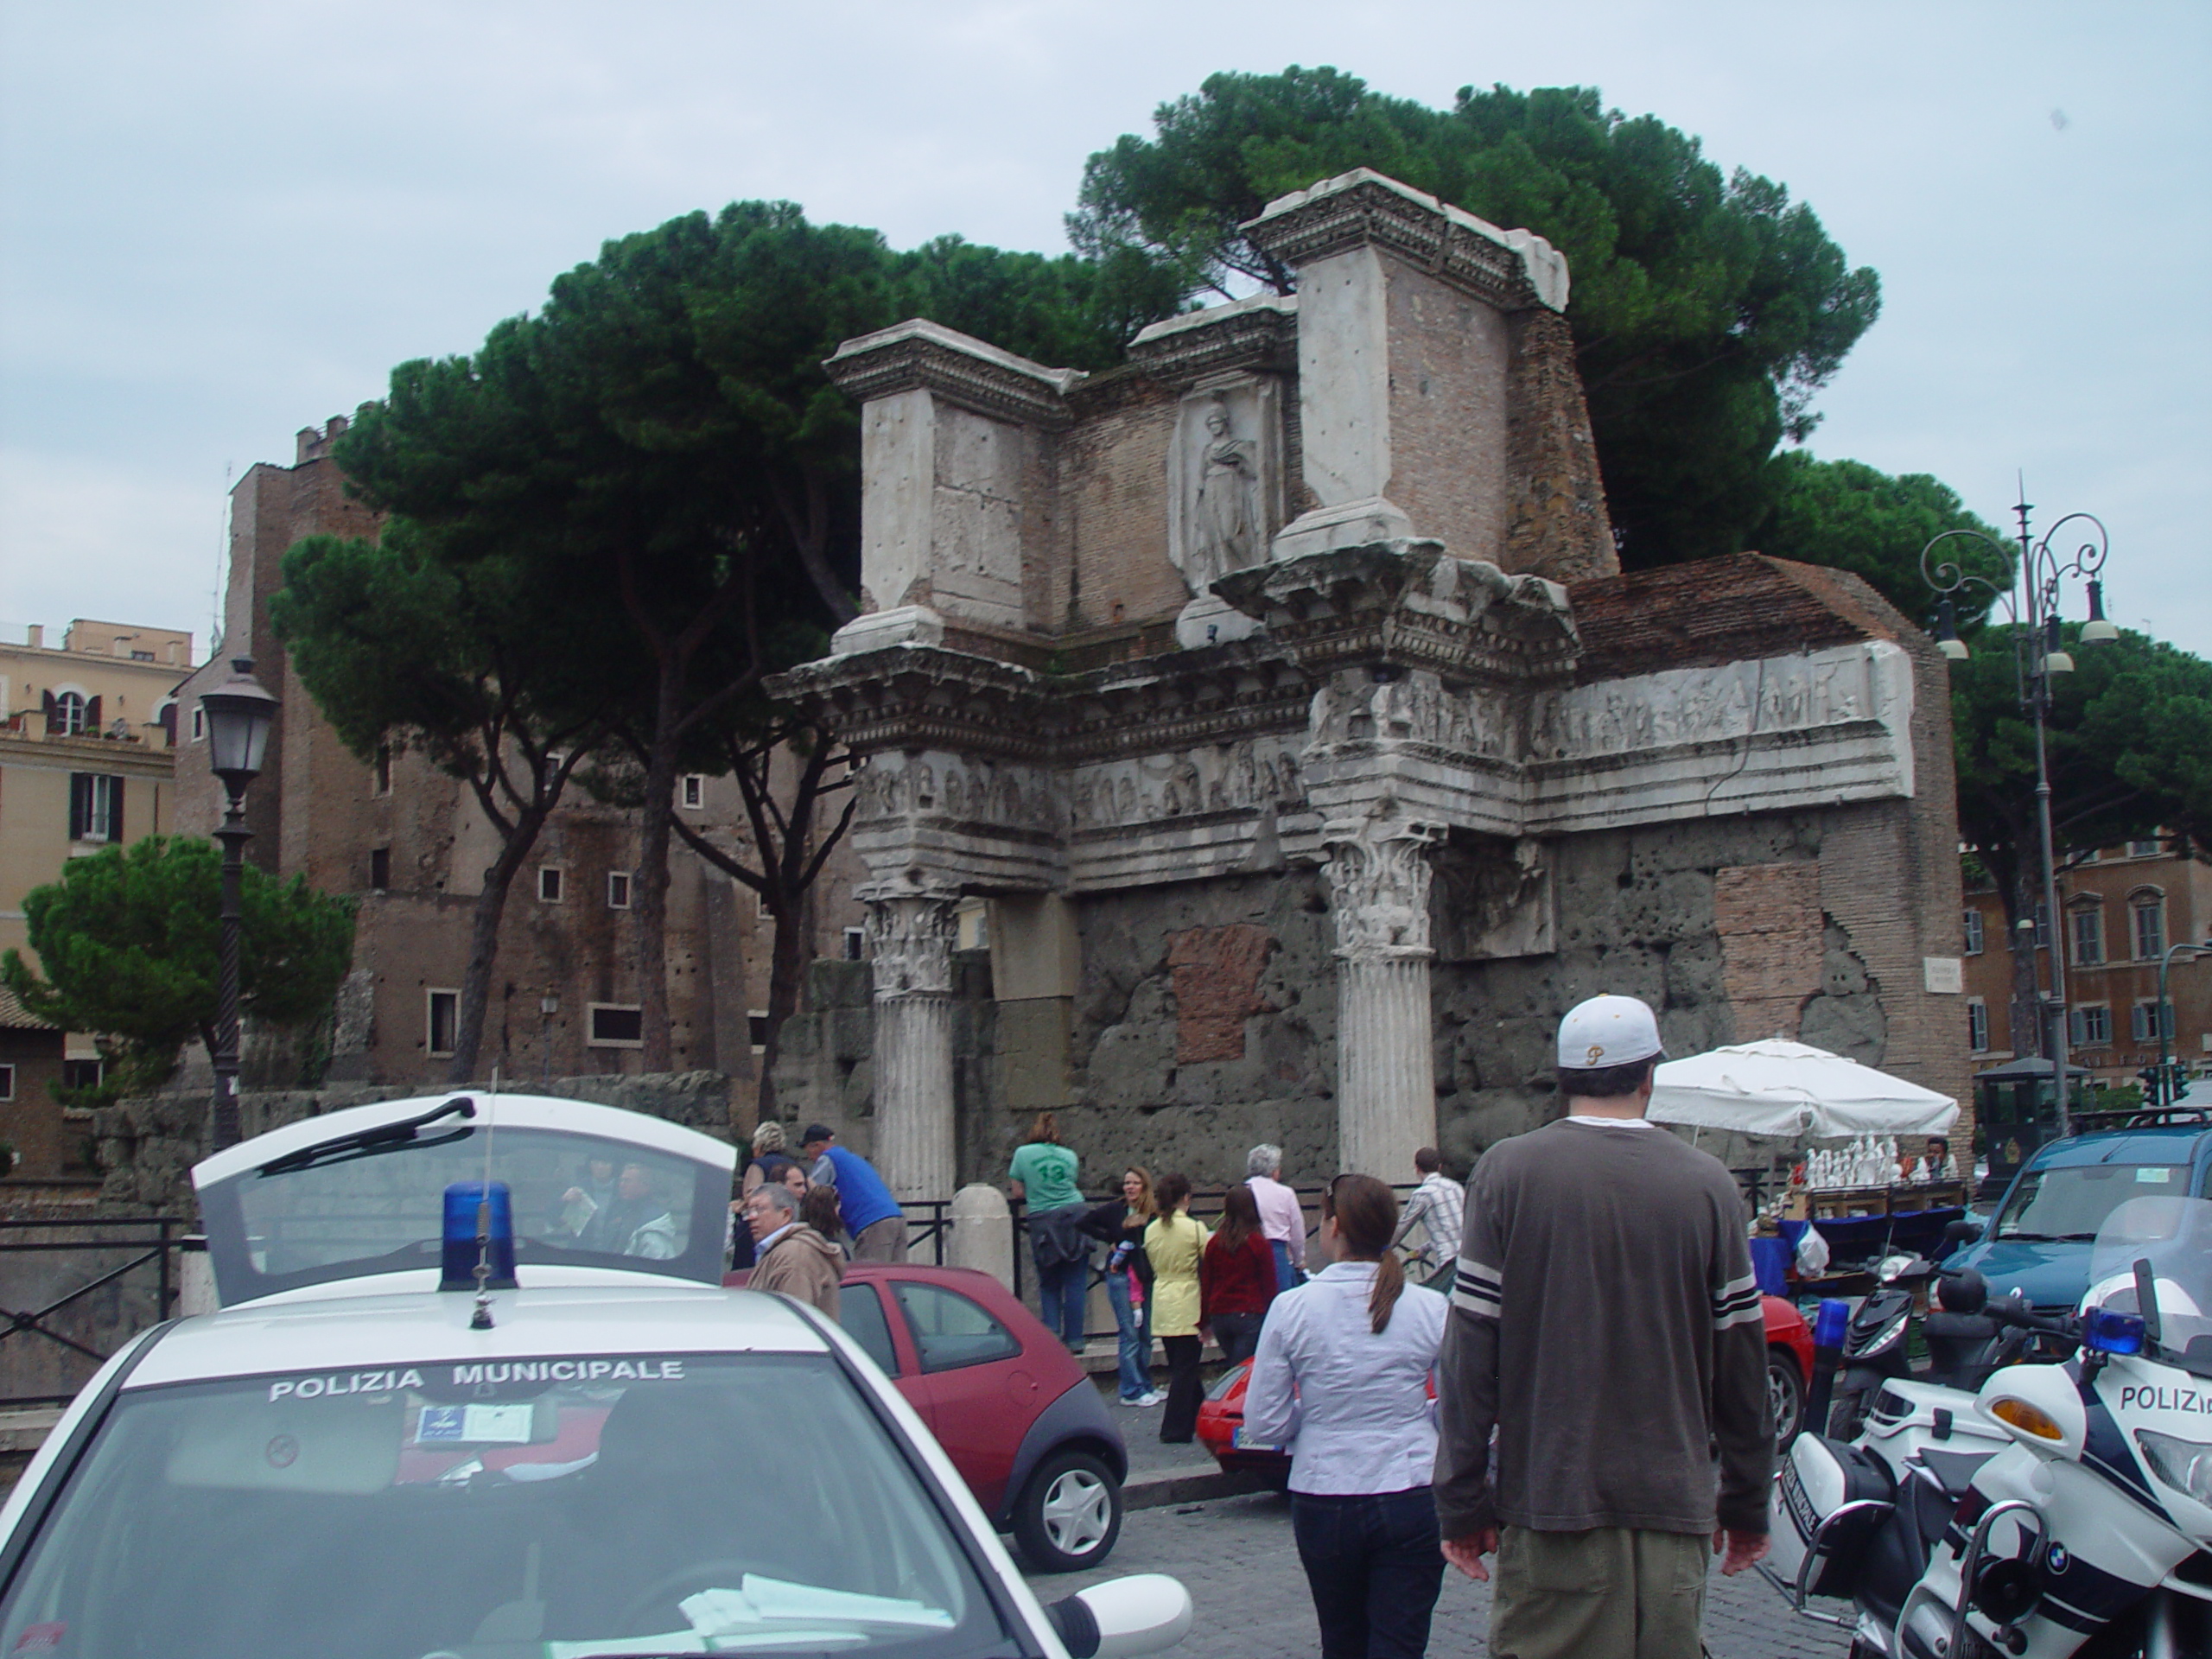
(1225,479)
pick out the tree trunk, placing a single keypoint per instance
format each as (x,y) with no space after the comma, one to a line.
(786,972)
(484,945)
(2029,1037)
(652,873)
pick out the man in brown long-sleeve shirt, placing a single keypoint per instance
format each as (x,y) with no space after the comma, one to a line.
(1605,1321)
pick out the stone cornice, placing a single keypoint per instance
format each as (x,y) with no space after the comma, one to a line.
(961,369)
(1510,269)
(1409,604)
(1259,333)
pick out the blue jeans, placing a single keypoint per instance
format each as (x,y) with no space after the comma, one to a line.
(1135,1322)
(1060,1294)
(1286,1277)
(1375,1567)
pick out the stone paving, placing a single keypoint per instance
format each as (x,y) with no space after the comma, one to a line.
(1236,1557)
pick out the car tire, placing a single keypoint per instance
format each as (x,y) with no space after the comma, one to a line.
(1785,1394)
(1069,1515)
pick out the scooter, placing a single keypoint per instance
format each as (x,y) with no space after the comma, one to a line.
(1964,1345)
(2064,1509)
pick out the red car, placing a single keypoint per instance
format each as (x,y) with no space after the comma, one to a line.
(1020,1420)
(1788,1373)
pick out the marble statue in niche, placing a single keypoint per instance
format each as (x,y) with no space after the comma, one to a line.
(1223,483)
(1225,527)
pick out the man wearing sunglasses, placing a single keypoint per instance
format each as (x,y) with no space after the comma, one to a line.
(1607,1323)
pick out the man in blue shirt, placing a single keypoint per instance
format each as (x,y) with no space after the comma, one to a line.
(871,1215)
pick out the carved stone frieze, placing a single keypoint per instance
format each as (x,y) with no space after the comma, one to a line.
(1379,878)
(1259,333)
(909,939)
(961,369)
(1409,604)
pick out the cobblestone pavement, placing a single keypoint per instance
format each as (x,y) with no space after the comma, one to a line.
(1236,1557)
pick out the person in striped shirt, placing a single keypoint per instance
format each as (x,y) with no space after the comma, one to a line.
(1438,1206)
(1606,1323)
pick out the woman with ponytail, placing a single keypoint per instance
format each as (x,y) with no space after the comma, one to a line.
(1341,1381)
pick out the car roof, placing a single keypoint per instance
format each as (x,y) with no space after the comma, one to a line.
(2165,1144)
(510,1111)
(356,1332)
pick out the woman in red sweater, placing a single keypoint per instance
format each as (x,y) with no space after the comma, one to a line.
(1236,1277)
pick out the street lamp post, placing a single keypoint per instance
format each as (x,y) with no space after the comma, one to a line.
(240,714)
(2038,654)
(2165,1086)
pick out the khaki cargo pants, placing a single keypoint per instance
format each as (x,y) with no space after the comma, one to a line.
(1608,1593)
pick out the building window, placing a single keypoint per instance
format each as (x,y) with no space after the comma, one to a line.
(68,717)
(617,1025)
(95,807)
(84,1074)
(756,1027)
(198,723)
(856,944)
(1978,1026)
(618,890)
(2043,926)
(2087,923)
(7,1083)
(2143,1021)
(2091,1026)
(548,883)
(379,868)
(2150,917)
(2153,847)
(141,656)
(380,770)
(443,1023)
(972,926)
(1975,942)
(695,789)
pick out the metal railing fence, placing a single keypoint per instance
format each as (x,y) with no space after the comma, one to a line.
(76,1291)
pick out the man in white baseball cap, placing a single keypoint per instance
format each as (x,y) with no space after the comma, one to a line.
(1606,1324)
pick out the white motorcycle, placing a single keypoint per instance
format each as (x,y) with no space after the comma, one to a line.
(2063,1509)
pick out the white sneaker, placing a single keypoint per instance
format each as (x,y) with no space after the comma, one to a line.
(1155,1398)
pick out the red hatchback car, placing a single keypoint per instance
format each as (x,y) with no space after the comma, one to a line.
(1020,1420)
(1788,1373)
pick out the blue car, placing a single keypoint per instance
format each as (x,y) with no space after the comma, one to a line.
(2038,1242)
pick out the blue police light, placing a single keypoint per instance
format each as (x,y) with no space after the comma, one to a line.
(2107,1331)
(1833,1321)
(463,1201)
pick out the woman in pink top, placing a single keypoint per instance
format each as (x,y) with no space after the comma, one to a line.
(1280,1217)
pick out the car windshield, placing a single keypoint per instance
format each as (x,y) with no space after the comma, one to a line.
(576,1197)
(2174,1236)
(552,1508)
(2072,1202)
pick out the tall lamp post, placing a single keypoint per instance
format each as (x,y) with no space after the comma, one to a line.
(2038,654)
(2165,1086)
(239,715)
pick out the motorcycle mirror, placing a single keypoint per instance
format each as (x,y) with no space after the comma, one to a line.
(1965,1230)
(1964,1292)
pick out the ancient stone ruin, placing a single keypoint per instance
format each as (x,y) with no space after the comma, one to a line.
(1281,692)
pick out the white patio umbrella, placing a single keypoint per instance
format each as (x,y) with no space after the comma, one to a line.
(1793,1090)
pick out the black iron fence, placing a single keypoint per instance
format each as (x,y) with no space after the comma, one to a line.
(72,1291)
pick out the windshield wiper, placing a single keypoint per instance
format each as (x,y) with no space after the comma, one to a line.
(370,1143)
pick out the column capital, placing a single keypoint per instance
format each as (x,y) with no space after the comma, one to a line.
(910,931)
(1379,876)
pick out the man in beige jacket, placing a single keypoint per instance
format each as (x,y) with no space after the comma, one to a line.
(789,1256)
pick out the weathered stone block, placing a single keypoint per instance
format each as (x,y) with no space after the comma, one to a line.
(1216,976)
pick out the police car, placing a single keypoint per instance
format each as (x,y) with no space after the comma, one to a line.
(474,1391)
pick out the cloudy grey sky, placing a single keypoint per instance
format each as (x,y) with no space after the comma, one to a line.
(225,221)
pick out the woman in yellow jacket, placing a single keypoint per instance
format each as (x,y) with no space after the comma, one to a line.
(1175,1244)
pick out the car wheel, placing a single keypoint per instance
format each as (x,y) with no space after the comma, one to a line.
(1785,1394)
(1069,1513)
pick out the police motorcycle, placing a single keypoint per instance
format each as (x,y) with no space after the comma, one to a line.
(1964,1343)
(2064,1509)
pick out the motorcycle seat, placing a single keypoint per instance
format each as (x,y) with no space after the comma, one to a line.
(1954,1470)
(1959,1327)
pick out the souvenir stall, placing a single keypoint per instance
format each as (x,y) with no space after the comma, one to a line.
(1861,1183)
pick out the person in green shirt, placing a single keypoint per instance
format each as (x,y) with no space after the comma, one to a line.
(1043,1175)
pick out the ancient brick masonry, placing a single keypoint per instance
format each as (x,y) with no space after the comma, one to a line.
(1216,974)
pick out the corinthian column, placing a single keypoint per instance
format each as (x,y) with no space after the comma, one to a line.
(1385,1075)
(910,938)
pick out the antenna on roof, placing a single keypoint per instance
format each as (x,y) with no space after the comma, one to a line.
(481,1319)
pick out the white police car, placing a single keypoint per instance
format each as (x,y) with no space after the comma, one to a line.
(475,1392)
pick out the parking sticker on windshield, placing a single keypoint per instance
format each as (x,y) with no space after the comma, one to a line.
(2153,1175)
(474,1425)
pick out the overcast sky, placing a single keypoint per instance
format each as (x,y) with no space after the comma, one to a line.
(225,221)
